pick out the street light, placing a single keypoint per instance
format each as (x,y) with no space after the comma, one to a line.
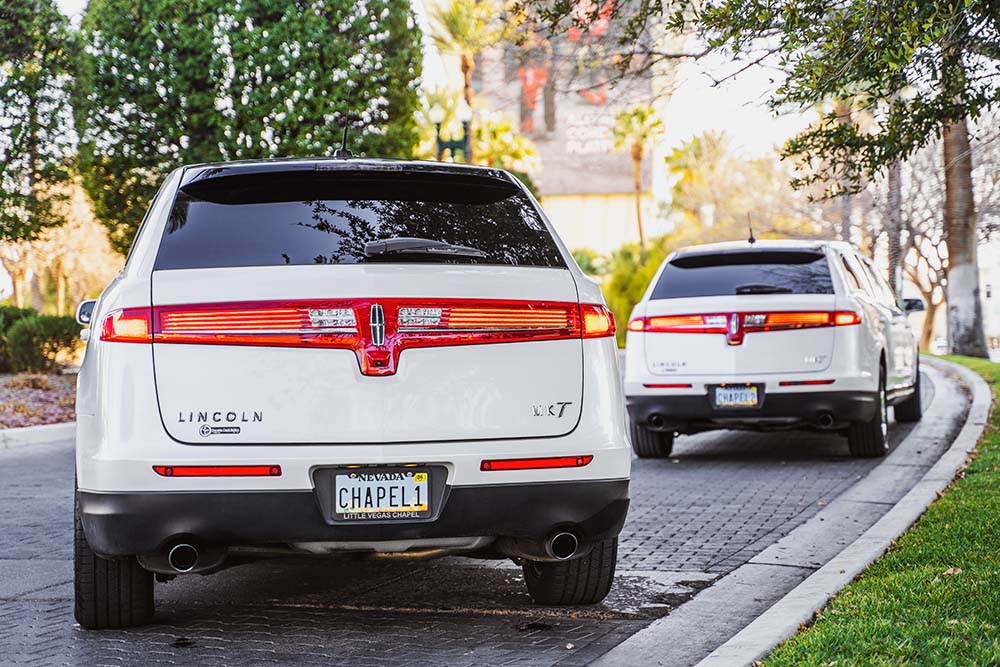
(463,114)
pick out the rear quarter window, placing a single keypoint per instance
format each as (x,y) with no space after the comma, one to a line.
(301,218)
(751,272)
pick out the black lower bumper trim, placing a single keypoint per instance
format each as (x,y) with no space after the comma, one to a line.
(683,413)
(118,524)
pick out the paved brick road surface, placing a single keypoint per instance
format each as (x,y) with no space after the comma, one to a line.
(724,498)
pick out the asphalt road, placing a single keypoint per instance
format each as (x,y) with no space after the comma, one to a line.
(722,499)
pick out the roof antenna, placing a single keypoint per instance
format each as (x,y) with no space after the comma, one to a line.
(343,152)
(750,240)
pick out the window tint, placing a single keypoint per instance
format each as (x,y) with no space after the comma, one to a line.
(753,272)
(301,218)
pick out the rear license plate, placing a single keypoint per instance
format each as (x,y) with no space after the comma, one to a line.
(373,494)
(736,397)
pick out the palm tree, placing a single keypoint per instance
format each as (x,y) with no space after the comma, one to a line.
(701,163)
(633,129)
(467,27)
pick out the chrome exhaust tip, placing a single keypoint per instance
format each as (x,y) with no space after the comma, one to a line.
(657,421)
(562,546)
(183,557)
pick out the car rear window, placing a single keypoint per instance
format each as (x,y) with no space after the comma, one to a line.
(751,272)
(298,218)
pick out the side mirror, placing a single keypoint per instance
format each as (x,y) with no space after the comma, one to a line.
(913,305)
(85,312)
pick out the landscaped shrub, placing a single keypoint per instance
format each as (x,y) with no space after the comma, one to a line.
(29,381)
(9,315)
(36,343)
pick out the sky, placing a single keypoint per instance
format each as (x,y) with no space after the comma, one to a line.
(72,8)
(736,106)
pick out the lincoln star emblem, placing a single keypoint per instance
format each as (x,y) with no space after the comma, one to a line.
(734,324)
(377,322)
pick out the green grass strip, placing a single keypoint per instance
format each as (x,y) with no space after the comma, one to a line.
(934,599)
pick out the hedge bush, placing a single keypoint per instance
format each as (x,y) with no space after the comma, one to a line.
(34,342)
(9,316)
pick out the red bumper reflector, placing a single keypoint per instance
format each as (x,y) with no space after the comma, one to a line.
(536,464)
(667,386)
(799,383)
(218,471)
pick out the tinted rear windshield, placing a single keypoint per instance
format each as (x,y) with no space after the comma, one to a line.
(298,218)
(754,272)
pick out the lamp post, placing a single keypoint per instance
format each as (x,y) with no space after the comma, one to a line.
(464,115)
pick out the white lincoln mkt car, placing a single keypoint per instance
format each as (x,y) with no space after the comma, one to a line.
(770,335)
(346,355)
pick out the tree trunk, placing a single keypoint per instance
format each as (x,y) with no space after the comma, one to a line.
(549,96)
(60,288)
(637,180)
(893,227)
(843,111)
(965,315)
(637,155)
(36,291)
(845,217)
(927,330)
(17,281)
(468,63)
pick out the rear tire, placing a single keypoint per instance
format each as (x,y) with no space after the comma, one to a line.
(910,410)
(584,580)
(649,444)
(109,593)
(867,439)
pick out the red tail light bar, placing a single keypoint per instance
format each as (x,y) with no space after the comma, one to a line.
(377,330)
(735,325)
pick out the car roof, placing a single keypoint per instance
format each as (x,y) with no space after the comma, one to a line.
(211,170)
(768,245)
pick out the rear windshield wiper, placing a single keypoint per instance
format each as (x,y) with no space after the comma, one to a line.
(406,245)
(762,289)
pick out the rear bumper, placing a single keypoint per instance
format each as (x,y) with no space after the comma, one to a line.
(145,523)
(695,412)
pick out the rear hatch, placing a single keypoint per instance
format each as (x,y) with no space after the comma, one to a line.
(742,312)
(278,316)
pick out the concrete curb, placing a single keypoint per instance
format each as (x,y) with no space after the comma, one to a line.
(783,619)
(11,438)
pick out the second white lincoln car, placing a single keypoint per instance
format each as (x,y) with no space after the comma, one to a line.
(770,335)
(346,356)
